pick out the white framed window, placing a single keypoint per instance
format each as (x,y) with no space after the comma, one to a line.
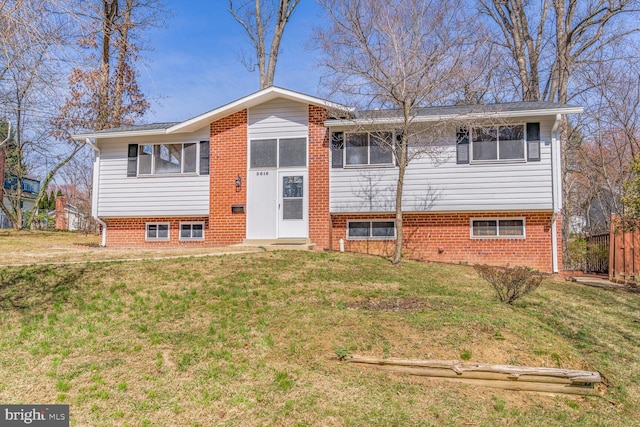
(278,153)
(509,143)
(192,230)
(371,230)
(163,159)
(157,231)
(488,228)
(498,143)
(368,149)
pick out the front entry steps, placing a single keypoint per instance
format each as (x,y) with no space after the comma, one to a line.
(280,244)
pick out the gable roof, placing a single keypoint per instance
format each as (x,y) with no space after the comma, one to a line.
(459,112)
(195,123)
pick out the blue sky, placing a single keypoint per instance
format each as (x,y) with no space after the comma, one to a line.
(195,62)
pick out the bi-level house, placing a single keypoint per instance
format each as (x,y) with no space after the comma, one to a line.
(279,165)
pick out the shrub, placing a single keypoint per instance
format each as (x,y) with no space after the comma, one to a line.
(510,283)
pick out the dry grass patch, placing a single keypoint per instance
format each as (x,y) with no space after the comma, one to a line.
(35,247)
(252,340)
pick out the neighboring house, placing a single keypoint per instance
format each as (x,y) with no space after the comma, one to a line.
(30,188)
(67,216)
(275,166)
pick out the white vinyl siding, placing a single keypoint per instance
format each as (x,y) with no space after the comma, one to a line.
(438,183)
(279,118)
(166,195)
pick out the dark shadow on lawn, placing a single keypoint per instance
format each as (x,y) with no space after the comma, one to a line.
(23,288)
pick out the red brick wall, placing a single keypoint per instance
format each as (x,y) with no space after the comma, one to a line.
(62,220)
(228,160)
(131,232)
(319,217)
(446,237)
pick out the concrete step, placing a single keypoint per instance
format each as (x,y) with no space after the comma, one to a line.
(280,244)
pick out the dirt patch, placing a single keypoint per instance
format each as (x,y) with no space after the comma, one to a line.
(394,304)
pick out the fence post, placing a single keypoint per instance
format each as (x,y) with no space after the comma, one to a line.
(612,248)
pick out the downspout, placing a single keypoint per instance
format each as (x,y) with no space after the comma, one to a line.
(556,176)
(96,189)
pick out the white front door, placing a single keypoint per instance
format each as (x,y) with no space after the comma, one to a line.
(293,204)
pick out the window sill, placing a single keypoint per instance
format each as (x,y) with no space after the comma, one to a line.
(382,239)
(173,175)
(491,162)
(381,166)
(498,237)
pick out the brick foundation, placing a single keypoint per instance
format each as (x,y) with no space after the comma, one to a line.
(446,237)
(131,232)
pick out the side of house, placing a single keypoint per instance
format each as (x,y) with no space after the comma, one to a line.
(274,166)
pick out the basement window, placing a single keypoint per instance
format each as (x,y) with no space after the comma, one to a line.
(157,231)
(192,231)
(371,230)
(498,228)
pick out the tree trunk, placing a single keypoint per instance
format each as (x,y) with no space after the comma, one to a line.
(109,12)
(402,167)
(121,67)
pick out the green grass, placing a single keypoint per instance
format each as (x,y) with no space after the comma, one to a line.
(256,340)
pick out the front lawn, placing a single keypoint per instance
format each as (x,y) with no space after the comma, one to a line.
(252,340)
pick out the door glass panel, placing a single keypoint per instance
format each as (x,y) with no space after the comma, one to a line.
(292,209)
(292,197)
(293,152)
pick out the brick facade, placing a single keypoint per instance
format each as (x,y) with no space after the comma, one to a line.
(131,232)
(228,160)
(319,217)
(446,237)
(429,236)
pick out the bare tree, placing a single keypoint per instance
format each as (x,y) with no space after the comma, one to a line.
(105,93)
(393,58)
(548,40)
(33,39)
(264,22)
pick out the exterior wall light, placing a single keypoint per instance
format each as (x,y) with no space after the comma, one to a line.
(238,183)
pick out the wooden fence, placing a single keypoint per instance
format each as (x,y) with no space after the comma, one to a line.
(624,253)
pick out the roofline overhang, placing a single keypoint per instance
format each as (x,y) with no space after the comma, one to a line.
(198,122)
(396,120)
(264,95)
(105,135)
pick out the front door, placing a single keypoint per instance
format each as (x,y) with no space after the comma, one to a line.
(293,211)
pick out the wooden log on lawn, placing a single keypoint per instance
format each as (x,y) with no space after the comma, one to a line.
(552,380)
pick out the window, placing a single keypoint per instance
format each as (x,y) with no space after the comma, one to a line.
(498,143)
(157,231)
(506,228)
(371,230)
(283,152)
(362,149)
(162,159)
(337,149)
(192,231)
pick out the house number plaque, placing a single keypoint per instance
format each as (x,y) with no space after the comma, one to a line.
(262,173)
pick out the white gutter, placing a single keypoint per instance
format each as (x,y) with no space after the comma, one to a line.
(556,177)
(96,189)
(460,116)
